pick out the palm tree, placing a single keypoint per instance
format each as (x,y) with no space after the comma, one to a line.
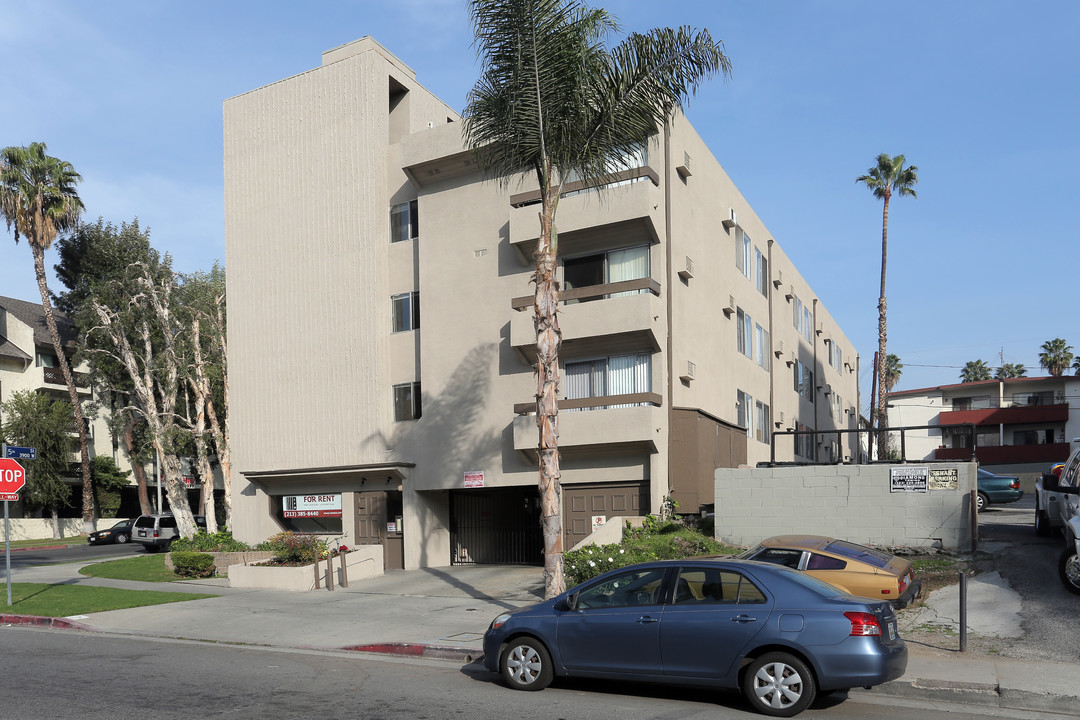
(1076,366)
(893,370)
(974,371)
(38,199)
(553,100)
(1010,370)
(887,177)
(1056,356)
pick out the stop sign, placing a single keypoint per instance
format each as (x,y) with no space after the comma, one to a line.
(12,476)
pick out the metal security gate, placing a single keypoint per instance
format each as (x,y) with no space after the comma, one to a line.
(496,526)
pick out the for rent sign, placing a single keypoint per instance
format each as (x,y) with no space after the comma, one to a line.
(301,506)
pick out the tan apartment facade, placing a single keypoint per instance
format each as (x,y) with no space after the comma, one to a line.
(380,328)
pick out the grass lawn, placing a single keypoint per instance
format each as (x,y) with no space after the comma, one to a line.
(148,568)
(66,600)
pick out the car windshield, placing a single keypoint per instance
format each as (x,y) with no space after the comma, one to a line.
(812,583)
(749,553)
(859,552)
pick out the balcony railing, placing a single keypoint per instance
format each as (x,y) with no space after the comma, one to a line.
(1012,414)
(55,376)
(533,196)
(593,292)
(597,403)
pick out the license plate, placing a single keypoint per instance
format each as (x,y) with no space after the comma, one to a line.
(142,533)
(891,627)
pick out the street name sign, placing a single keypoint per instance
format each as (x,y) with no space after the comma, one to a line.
(20,453)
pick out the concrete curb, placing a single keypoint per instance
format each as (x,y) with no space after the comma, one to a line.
(440,652)
(38,621)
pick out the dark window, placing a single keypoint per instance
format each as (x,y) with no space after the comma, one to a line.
(779,556)
(639,587)
(406,311)
(824,562)
(404,221)
(407,401)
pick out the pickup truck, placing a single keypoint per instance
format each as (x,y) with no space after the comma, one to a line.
(1057,504)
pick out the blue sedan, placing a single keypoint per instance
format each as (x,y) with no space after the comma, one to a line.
(778,635)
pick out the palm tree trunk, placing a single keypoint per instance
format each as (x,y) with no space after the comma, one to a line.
(882,418)
(76,406)
(548,339)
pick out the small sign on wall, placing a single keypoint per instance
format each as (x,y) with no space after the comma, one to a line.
(909,478)
(598,521)
(944,479)
(301,506)
(474,479)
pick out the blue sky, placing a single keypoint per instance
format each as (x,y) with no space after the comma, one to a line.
(981,96)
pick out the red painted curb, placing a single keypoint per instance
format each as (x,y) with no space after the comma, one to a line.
(39,621)
(446,652)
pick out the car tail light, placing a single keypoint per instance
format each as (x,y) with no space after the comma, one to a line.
(904,582)
(863,624)
(1015,484)
(155,533)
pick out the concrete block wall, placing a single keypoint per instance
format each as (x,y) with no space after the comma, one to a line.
(852,502)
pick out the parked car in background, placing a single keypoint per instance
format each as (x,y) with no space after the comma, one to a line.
(119,533)
(1048,515)
(993,489)
(779,635)
(853,568)
(156,532)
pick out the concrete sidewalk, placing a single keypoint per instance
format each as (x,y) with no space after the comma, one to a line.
(443,613)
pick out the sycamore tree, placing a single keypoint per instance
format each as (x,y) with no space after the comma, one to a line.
(39,202)
(39,420)
(556,102)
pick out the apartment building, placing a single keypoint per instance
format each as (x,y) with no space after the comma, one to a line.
(381,341)
(1014,425)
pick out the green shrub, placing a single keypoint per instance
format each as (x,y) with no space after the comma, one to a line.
(291,548)
(656,540)
(221,541)
(193,564)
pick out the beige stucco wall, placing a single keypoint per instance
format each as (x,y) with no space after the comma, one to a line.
(852,502)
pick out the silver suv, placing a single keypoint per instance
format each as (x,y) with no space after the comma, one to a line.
(156,532)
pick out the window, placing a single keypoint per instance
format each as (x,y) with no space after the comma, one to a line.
(712,585)
(407,401)
(638,587)
(762,265)
(615,375)
(761,427)
(780,556)
(808,324)
(797,313)
(406,311)
(745,407)
(804,444)
(602,268)
(404,221)
(744,339)
(742,253)
(804,380)
(824,562)
(836,358)
(761,337)
(48,360)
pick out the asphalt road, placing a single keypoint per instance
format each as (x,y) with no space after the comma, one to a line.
(62,675)
(1051,615)
(83,552)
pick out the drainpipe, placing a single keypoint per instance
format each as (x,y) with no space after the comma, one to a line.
(772,365)
(855,452)
(820,378)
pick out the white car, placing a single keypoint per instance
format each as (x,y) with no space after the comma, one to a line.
(156,532)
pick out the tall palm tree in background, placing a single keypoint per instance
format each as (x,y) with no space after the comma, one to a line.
(39,201)
(1010,370)
(553,100)
(975,371)
(887,177)
(893,370)
(1056,356)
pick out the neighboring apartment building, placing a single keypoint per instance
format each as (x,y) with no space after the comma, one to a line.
(28,362)
(1020,424)
(381,337)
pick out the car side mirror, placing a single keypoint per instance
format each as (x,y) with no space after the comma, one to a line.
(569,602)
(1051,482)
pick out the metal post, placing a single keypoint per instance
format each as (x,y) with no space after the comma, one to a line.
(7,551)
(963,611)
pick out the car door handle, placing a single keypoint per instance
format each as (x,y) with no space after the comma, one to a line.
(743,619)
(645,619)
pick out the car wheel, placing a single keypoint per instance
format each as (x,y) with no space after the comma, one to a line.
(779,684)
(1042,523)
(121,538)
(981,501)
(1069,570)
(526,665)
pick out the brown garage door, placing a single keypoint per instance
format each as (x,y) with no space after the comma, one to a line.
(582,502)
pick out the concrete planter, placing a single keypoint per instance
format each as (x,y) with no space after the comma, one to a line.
(224,560)
(364,562)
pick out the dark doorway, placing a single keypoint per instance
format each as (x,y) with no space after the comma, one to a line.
(499,526)
(378,522)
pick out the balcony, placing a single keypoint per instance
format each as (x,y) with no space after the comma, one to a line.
(1001,454)
(1009,415)
(51,376)
(593,220)
(599,426)
(596,322)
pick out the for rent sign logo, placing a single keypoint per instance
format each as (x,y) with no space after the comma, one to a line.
(300,506)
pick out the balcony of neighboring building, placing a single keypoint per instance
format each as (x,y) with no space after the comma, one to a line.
(614,422)
(995,412)
(53,379)
(614,317)
(1005,454)
(628,207)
